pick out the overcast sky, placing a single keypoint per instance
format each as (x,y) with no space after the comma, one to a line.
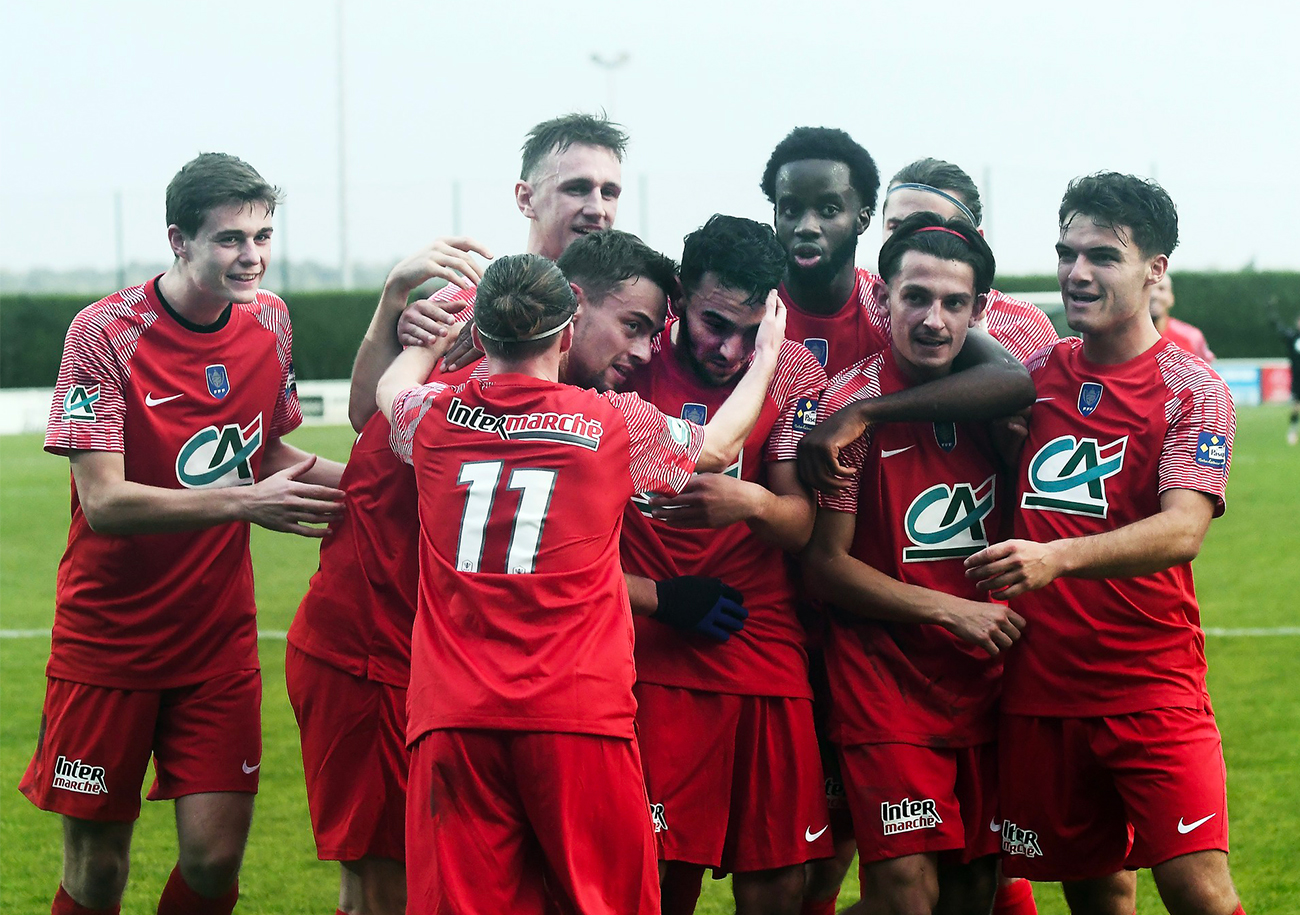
(101,99)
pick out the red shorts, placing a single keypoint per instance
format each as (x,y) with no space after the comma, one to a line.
(95,743)
(353,734)
(524,822)
(1087,797)
(735,782)
(910,800)
(837,802)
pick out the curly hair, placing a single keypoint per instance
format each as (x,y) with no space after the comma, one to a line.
(1138,204)
(825,143)
(600,261)
(742,254)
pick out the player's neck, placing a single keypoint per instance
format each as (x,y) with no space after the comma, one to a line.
(537,244)
(1162,323)
(545,366)
(188,300)
(1121,343)
(821,298)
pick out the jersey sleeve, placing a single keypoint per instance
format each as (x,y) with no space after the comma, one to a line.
(1202,423)
(848,387)
(663,450)
(796,387)
(409,407)
(273,314)
(89,408)
(1020,326)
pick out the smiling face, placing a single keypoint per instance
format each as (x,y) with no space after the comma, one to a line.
(570,193)
(932,304)
(818,218)
(611,338)
(718,330)
(1105,278)
(226,258)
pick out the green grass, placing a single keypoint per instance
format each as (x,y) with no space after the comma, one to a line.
(1248,576)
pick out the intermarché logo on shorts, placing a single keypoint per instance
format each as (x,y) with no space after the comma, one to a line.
(74,775)
(908,815)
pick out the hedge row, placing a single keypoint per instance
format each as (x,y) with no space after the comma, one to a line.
(1228,307)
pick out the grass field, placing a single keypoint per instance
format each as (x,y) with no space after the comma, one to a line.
(1248,577)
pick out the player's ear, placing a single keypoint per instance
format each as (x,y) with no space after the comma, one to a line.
(880,292)
(473,335)
(566,339)
(524,198)
(863,220)
(981,302)
(176,239)
(1156,269)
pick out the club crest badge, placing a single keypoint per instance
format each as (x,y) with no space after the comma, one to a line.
(218,381)
(696,413)
(946,435)
(1089,397)
(819,348)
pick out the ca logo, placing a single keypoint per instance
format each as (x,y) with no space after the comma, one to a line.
(214,458)
(947,522)
(1068,475)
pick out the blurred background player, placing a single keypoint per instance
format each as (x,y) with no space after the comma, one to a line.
(1185,335)
(913,651)
(1291,337)
(526,790)
(1110,758)
(171,404)
(726,730)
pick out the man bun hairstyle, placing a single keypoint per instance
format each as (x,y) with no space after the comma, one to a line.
(944,176)
(212,180)
(600,261)
(825,143)
(523,302)
(1113,200)
(558,134)
(743,254)
(947,239)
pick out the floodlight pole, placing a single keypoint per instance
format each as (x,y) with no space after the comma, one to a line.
(610,65)
(345,264)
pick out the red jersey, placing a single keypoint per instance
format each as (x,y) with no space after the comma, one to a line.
(188,407)
(1188,337)
(767,657)
(360,606)
(1104,442)
(926,495)
(852,333)
(523,620)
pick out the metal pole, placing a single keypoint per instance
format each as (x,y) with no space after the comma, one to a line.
(120,243)
(610,65)
(345,264)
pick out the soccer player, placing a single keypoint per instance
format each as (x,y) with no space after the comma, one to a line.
(726,730)
(913,656)
(348,661)
(526,792)
(1110,759)
(1185,335)
(172,401)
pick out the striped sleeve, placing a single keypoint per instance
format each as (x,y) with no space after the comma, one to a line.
(796,388)
(1020,326)
(409,407)
(663,449)
(451,294)
(273,314)
(858,382)
(1197,450)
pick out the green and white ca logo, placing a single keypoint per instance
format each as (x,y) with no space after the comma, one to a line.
(79,403)
(1069,475)
(947,522)
(214,458)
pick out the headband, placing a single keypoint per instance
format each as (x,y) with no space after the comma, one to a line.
(942,229)
(542,336)
(966,211)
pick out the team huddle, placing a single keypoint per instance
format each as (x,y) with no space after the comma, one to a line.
(640,569)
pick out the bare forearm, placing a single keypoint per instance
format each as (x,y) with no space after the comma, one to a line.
(379,347)
(642,594)
(409,370)
(126,508)
(1141,548)
(783,521)
(866,592)
(280,454)
(978,394)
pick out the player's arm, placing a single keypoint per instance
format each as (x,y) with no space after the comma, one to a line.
(690,603)
(282,501)
(832,574)
(987,382)
(408,370)
(280,455)
(725,433)
(780,513)
(1170,537)
(448,259)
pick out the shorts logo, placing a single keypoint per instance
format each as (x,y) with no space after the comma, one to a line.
(215,458)
(947,522)
(1089,397)
(819,348)
(657,817)
(79,403)
(908,815)
(218,381)
(946,435)
(1211,450)
(1068,475)
(836,798)
(74,775)
(1018,841)
(805,414)
(696,413)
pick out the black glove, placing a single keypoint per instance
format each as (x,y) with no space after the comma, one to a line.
(694,603)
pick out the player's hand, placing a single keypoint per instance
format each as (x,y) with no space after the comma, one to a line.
(449,259)
(771,332)
(282,503)
(818,458)
(710,500)
(1012,567)
(693,603)
(462,352)
(425,320)
(1008,435)
(993,627)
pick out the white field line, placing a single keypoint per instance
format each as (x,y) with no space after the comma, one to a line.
(278,635)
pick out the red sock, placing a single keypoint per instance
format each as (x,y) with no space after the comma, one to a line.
(179,899)
(822,907)
(65,905)
(1015,898)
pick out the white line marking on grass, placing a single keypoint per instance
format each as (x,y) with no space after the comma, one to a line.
(1252,633)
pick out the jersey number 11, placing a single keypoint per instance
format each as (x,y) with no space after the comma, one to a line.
(535,487)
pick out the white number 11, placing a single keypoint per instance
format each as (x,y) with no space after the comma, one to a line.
(535,487)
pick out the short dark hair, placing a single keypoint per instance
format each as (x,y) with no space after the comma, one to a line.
(742,254)
(600,261)
(519,297)
(1139,204)
(946,177)
(825,143)
(558,134)
(949,239)
(212,180)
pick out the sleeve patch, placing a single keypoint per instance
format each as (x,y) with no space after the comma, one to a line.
(1211,450)
(805,414)
(79,403)
(679,430)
